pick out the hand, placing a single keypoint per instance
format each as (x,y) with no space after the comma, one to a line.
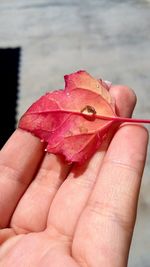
(54,214)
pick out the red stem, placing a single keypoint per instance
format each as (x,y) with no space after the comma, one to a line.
(121,119)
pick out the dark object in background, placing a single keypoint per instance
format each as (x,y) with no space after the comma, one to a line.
(9,67)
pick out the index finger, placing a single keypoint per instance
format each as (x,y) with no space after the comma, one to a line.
(108,220)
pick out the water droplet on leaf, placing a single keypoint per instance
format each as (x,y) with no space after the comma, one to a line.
(88,110)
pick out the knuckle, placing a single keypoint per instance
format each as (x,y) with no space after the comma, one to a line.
(112,214)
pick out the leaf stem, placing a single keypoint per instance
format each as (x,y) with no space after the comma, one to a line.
(122,119)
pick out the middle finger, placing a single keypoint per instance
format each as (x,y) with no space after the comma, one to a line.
(32,210)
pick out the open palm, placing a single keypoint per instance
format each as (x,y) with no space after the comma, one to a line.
(54,214)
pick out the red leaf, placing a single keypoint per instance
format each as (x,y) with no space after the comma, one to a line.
(74,121)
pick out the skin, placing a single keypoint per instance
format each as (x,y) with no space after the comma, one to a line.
(54,214)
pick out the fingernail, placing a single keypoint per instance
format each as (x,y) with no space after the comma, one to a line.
(108,83)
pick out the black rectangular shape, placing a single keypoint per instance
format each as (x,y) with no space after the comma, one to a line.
(9,67)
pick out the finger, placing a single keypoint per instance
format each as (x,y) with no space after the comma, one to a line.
(73,194)
(105,229)
(125,98)
(32,210)
(19,159)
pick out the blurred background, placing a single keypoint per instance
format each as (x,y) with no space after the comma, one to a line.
(50,38)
